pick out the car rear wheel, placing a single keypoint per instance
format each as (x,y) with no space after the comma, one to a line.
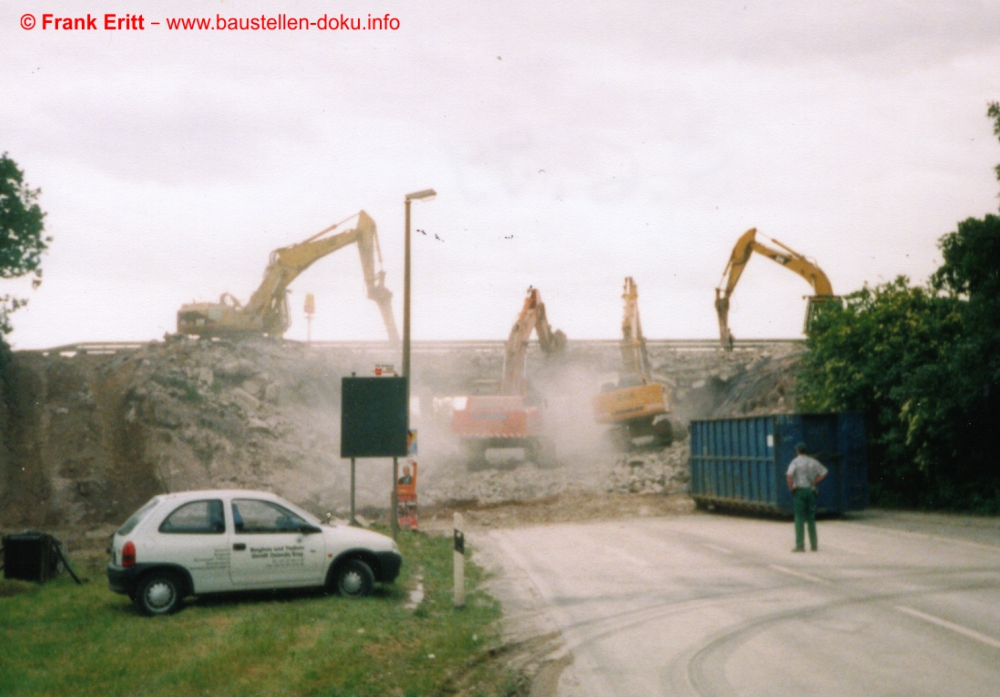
(354,579)
(159,593)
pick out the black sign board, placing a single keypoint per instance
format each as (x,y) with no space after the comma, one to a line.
(373,417)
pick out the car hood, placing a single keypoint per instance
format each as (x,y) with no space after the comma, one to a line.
(345,535)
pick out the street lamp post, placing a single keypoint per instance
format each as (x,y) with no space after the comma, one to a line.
(426,194)
(415,196)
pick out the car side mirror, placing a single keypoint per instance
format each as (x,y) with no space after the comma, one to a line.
(309,529)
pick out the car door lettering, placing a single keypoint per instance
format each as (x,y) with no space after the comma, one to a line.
(285,555)
(219,560)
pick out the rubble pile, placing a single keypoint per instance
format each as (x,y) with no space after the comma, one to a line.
(706,385)
(89,438)
(655,472)
(95,436)
(511,481)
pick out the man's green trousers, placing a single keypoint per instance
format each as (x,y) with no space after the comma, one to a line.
(804,501)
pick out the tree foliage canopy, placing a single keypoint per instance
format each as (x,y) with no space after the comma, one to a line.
(21,234)
(994,113)
(886,353)
(923,364)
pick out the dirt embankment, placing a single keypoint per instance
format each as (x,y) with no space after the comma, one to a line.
(89,438)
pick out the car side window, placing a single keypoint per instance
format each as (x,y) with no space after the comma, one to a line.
(137,517)
(256,516)
(196,517)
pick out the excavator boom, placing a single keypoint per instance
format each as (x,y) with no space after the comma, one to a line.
(532,318)
(633,343)
(746,245)
(267,310)
(637,403)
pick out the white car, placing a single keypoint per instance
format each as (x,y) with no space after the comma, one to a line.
(198,542)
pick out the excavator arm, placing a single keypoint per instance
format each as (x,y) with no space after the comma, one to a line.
(532,318)
(633,345)
(267,309)
(746,245)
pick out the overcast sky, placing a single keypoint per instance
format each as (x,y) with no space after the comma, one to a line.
(571,144)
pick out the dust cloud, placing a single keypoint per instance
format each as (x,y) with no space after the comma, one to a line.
(89,438)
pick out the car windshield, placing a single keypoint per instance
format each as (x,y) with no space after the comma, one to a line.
(309,517)
(130,524)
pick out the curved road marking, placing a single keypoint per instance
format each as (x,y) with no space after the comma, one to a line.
(965,631)
(717,548)
(799,574)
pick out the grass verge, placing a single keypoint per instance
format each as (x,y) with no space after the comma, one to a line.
(64,639)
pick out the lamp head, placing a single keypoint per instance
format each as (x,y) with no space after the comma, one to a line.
(418,195)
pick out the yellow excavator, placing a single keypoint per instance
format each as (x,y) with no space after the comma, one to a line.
(636,406)
(508,419)
(787,257)
(267,310)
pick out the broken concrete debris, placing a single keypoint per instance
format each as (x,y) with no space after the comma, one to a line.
(89,438)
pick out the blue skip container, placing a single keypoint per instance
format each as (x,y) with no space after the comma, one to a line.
(741,463)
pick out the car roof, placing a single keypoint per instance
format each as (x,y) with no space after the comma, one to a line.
(216,493)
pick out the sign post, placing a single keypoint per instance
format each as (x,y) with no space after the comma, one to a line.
(459,557)
(354,521)
(374,417)
(310,309)
(394,502)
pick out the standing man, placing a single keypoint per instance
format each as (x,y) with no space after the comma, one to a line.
(803,474)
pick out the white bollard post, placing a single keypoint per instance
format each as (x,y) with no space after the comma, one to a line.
(459,561)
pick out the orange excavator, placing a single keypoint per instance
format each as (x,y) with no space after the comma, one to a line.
(787,257)
(509,419)
(637,406)
(267,310)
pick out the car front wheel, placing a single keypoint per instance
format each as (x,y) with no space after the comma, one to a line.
(159,593)
(353,578)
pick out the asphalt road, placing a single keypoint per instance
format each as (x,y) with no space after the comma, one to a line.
(718,605)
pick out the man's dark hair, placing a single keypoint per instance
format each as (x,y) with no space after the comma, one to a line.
(800,448)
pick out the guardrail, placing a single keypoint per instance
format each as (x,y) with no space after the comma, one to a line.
(112,347)
(498,344)
(92,348)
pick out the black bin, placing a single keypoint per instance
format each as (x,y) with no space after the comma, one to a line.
(29,556)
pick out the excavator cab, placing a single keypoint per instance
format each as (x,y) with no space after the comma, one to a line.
(818,304)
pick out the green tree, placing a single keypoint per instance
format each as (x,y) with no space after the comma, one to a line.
(994,113)
(886,353)
(21,234)
(971,273)
(923,364)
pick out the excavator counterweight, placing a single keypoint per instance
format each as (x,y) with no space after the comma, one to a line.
(267,310)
